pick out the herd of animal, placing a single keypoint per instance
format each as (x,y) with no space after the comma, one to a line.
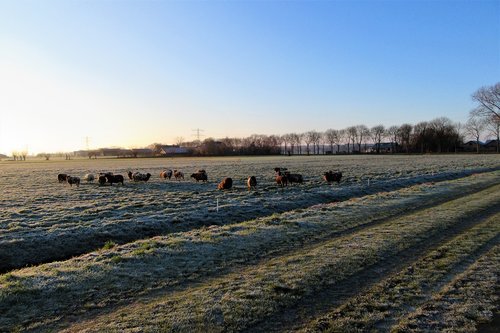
(282,176)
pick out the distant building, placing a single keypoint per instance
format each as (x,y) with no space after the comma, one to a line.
(142,152)
(384,147)
(471,146)
(491,145)
(174,150)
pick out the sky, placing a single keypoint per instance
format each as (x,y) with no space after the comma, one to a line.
(131,73)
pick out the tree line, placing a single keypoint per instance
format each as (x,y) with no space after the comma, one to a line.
(436,136)
(439,135)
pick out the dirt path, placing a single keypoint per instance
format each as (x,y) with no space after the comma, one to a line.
(311,307)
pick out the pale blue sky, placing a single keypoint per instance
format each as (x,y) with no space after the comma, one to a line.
(130,73)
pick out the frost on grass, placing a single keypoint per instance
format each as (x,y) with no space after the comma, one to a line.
(42,220)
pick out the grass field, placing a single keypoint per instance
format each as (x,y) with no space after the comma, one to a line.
(403,243)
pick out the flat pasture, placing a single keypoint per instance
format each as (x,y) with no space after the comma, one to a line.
(395,239)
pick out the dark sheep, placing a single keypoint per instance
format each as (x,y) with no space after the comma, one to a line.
(331,176)
(101,179)
(251,182)
(225,184)
(62,177)
(200,176)
(294,177)
(178,175)
(112,179)
(73,180)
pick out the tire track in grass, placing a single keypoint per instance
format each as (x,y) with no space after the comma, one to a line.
(176,261)
(381,305)
(244,299)
(24,247)
(466,304)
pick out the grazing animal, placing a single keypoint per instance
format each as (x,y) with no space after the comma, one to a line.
(251,182)
(62,177)
(331,176)
(225,184)
(112,179)
(101,179)
(105,174)
(282,180)
(200,175)
(89,178)
(294,177)
(139,177)
(73,180)
(178,174)
(166,174)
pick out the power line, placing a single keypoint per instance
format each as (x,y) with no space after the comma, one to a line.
(87,140)
(197,134)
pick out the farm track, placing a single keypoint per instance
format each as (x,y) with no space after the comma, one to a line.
(245,299)
(218,259)
(58,241)
(472,297)
(365,296)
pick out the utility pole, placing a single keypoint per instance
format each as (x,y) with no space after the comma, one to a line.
(198,135)
(87,140)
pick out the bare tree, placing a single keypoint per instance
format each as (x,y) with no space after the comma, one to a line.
(296,138)
(363,134)
(393,133)
(377,133)
(474,127)
(285,140)
(489,102)
(441,127)
(308,139)
(493,128)
(179,140)
(351,134)
(459,129)
(405,135)
(331,137)
(316,139)
(420,133)
(342,138)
